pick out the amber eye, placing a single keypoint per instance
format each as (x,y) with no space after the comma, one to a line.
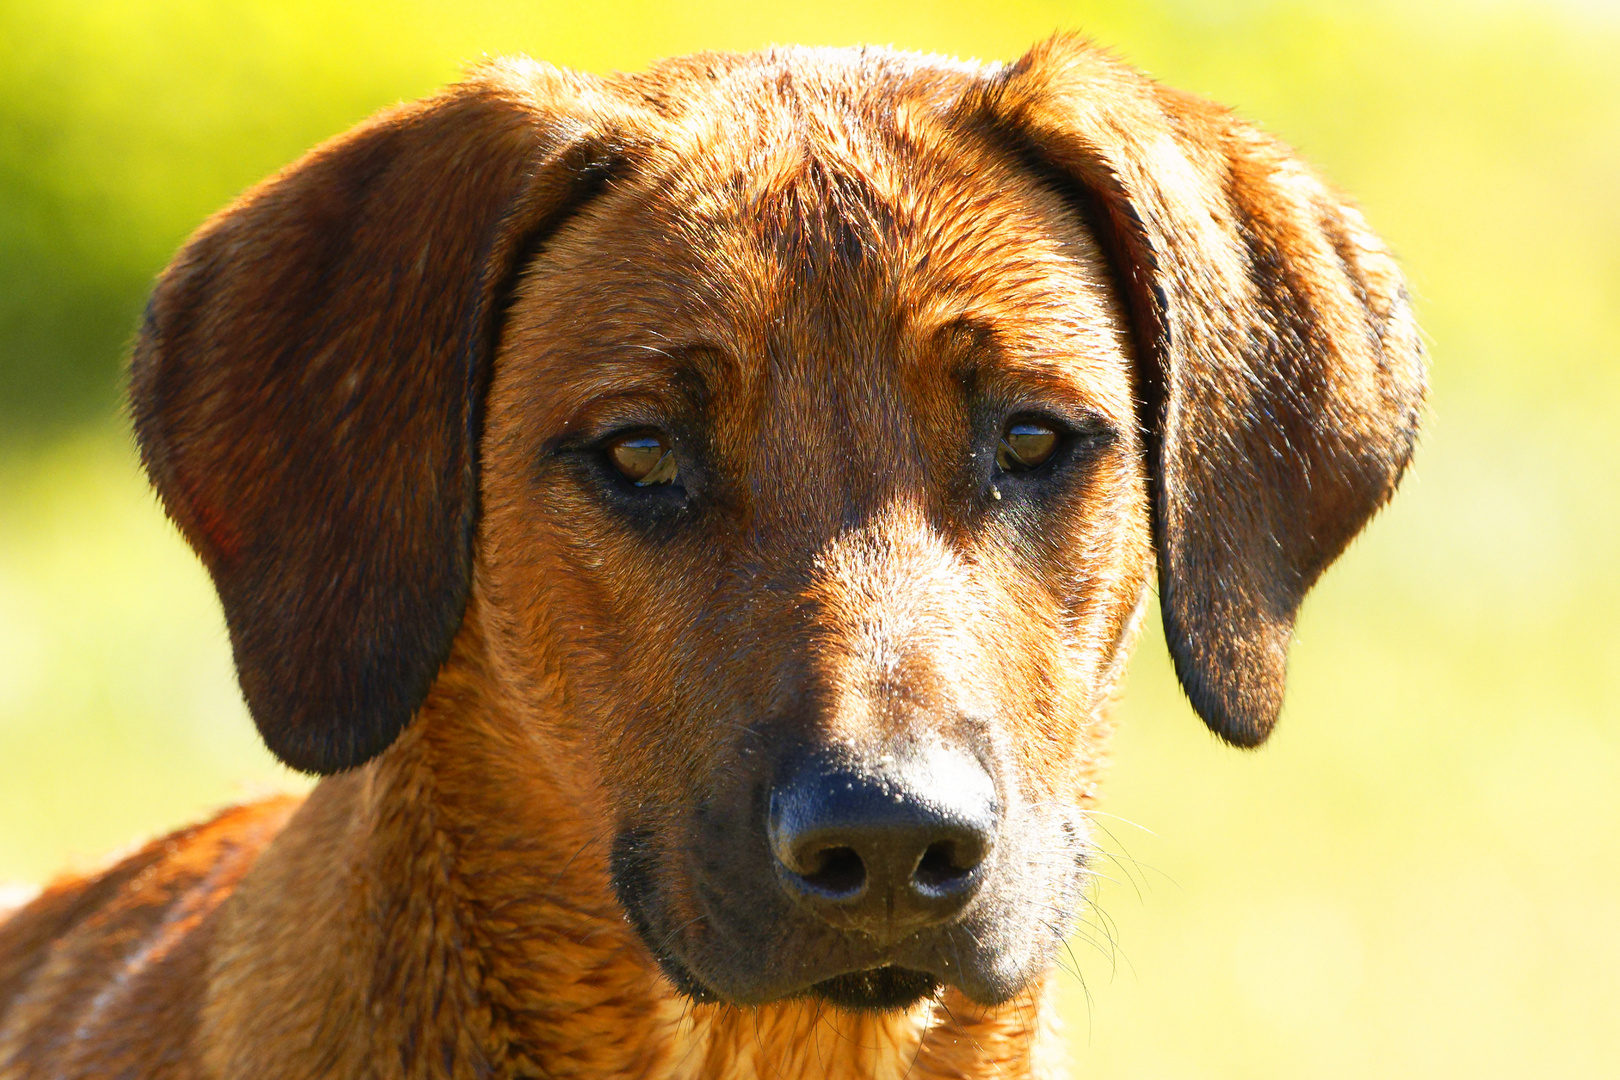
(644,457)
(1026,445)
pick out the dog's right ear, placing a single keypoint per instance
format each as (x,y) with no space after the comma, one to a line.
(307,390)
(1280,371)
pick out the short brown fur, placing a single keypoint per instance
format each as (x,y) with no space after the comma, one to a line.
(372,394)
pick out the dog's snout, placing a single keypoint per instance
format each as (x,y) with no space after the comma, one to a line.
(884,847)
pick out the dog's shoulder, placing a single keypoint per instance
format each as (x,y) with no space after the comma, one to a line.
(94,958)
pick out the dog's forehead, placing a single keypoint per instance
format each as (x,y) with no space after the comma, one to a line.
(814,229)
(860,197)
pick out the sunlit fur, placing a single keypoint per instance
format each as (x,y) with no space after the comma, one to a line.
(373,394)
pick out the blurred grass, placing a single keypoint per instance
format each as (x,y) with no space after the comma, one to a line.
(1420,874)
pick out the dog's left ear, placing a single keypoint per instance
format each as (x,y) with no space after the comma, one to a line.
(307,389)
(1280,374)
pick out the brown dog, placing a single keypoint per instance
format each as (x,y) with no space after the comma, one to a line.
(697,521)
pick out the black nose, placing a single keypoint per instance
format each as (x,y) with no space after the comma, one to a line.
(884,846)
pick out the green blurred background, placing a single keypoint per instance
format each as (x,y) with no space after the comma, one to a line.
(1419,875)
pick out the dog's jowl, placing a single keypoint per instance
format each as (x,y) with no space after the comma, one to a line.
(696,522)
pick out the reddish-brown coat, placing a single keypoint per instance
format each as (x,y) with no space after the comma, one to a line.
(356,391)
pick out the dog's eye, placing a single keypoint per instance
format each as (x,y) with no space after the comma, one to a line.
(1026,445)
(643,457)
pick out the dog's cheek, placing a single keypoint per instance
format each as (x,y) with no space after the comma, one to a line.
(660,688)
(1065,601)
(1049,617)
(597,639)
(1098,554)
(543,601)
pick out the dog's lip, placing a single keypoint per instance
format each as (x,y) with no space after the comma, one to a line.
(832,985)
(816,977)
(882,989)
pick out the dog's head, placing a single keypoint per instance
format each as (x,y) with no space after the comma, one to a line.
(801,432)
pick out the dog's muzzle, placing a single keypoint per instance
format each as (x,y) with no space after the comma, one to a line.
(867,879)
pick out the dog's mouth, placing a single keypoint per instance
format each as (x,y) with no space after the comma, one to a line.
(886,988)
(881,989)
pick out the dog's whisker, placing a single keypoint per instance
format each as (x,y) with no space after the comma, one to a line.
(1096,812)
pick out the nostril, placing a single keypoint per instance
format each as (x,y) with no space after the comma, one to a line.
(835,872)
(945,866)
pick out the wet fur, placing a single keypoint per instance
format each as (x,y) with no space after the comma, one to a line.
(367,393)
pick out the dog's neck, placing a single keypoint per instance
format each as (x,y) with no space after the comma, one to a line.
(449,881)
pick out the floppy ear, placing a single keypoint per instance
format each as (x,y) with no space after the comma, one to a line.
(1280,373)
(307,388)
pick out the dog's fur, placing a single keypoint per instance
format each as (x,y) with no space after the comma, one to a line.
(372,394)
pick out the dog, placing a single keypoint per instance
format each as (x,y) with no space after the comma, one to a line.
(695,522)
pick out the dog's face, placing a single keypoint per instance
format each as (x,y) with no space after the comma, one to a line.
(897,543)
(797,434)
